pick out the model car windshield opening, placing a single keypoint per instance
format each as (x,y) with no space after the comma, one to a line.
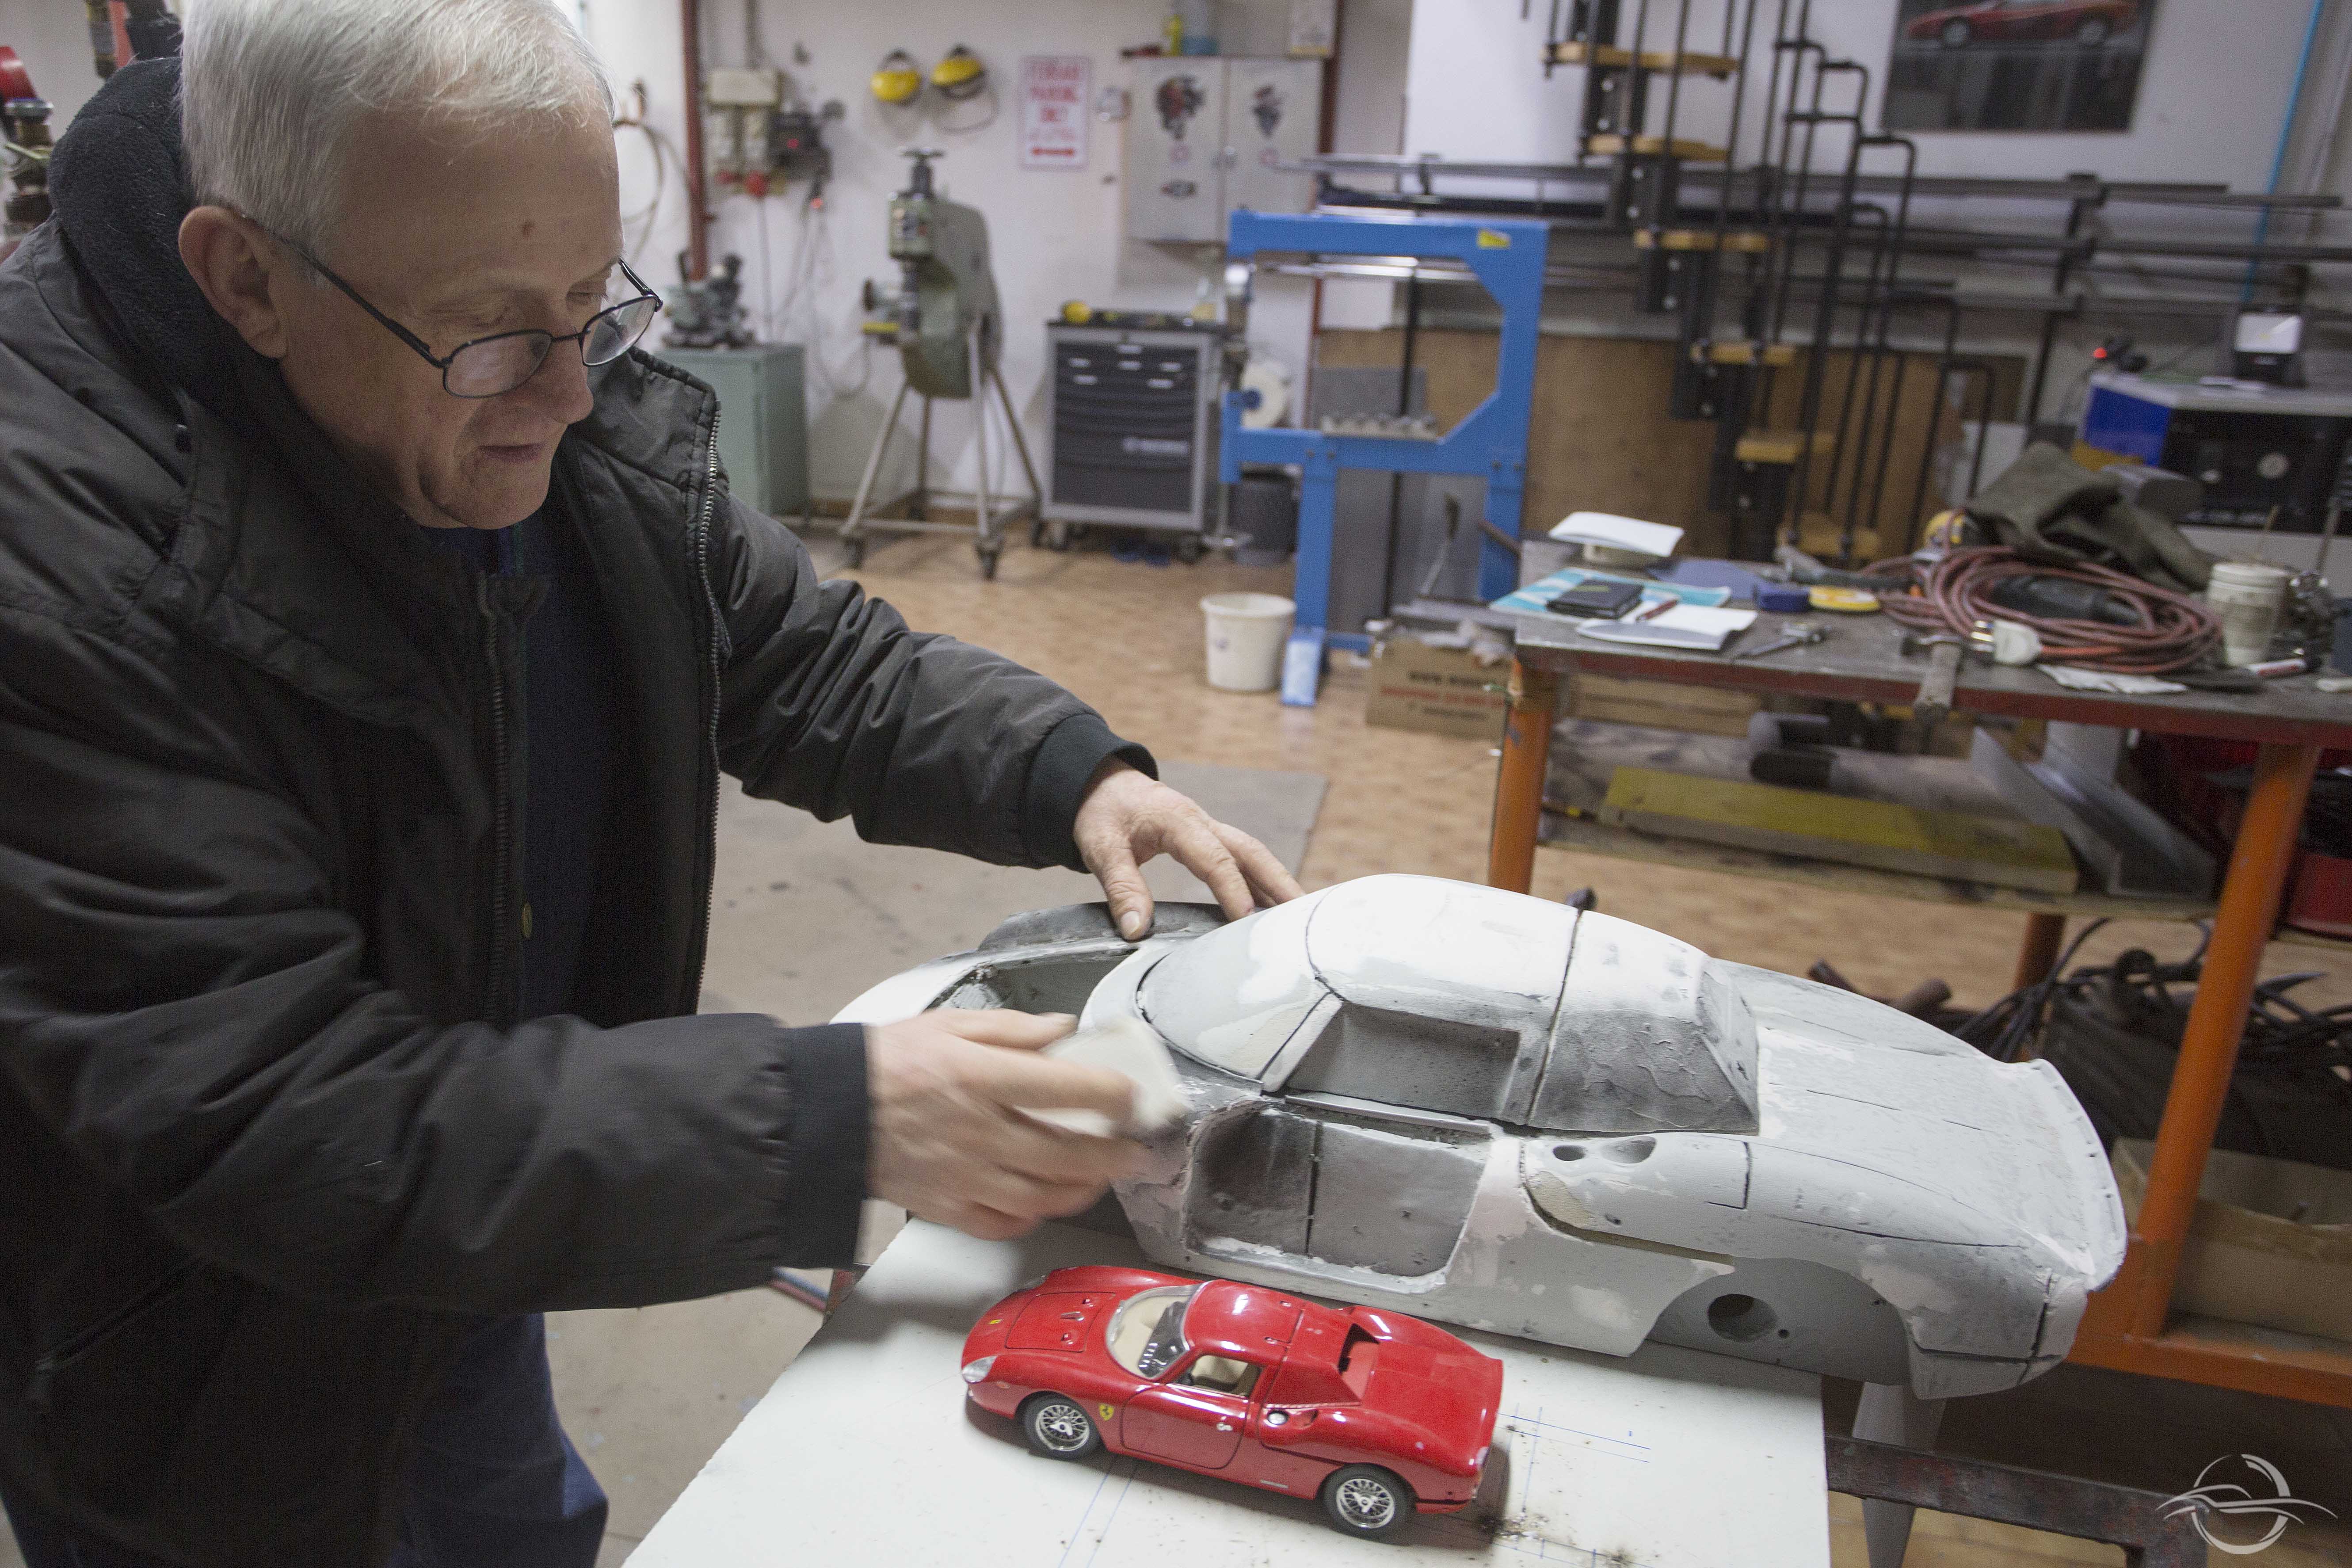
(1146,1332)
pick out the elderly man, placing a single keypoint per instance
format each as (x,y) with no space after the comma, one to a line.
(374,627)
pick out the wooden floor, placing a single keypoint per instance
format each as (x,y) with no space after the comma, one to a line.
(1128,637)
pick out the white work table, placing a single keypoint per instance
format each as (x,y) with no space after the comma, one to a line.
(866,1451)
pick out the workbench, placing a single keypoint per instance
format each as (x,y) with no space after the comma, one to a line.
(2129,1326)
(866,1450)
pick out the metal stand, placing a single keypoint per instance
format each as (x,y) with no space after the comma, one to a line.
(990,513)
(1891,1414)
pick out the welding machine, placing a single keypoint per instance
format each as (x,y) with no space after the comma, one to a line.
(2252,447)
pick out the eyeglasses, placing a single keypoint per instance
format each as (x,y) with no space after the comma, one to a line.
(487,367)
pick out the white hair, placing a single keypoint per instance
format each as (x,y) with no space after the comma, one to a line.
(272,91)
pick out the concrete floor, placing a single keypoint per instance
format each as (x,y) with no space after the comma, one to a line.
(649,1395)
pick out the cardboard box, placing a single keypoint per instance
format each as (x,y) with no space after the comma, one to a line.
(1660,704)
(2271,1243)
(1437,690)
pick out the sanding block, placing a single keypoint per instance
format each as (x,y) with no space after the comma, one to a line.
(1129,1046)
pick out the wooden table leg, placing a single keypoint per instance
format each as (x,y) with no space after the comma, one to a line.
(2045,935)
(1519,782)
(2135,1306)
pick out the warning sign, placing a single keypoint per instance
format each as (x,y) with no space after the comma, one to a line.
(1053,110)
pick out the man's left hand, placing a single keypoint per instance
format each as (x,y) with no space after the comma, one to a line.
(1128,816)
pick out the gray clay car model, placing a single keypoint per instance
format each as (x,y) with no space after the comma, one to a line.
(1489,1110)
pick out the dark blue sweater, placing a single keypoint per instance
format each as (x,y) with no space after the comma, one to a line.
(572,721)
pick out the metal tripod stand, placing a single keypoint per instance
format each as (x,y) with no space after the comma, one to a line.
(990,512)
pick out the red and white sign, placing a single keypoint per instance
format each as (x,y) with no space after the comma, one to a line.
(1053,96)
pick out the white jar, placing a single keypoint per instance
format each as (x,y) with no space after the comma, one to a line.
(2245,597)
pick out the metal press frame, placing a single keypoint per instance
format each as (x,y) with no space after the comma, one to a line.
(1490,442)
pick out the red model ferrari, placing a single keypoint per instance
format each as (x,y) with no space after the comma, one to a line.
(2007,21)
(1375,1414)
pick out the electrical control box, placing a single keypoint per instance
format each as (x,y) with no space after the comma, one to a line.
(1211,134)
(758,135)
(2252,447)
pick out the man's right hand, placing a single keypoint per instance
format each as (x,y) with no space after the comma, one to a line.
(950,1144)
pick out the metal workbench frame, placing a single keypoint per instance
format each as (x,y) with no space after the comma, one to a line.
(2128,1326)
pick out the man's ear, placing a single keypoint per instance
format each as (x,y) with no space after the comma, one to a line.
(240,273)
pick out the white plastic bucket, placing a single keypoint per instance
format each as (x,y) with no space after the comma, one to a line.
(2245,597)
(1246,634)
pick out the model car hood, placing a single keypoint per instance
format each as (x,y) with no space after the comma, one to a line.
(1058,1321)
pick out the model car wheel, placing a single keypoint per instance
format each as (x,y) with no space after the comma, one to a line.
(1363,1500)
(2093,31)
(1058,1428)
(1955,34)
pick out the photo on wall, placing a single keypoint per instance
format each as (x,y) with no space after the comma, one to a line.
(2016,65)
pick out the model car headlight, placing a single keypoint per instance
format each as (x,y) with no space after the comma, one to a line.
(976,1370)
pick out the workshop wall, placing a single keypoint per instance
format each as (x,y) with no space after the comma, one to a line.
(1055,232)
(2211,106)
(1601,441)
(2211,103)
(54,41)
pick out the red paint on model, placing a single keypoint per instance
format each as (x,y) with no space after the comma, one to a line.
(2010,21)
(1324,1387)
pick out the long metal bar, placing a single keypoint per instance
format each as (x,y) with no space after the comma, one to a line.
(2102,191)
(698,202)
(1674,77)
(2151,1535)
(2080,253)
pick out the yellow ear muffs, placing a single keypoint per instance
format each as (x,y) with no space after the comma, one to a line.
(897,79)
(961,75)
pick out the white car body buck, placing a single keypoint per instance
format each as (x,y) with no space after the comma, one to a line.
(1482,1108)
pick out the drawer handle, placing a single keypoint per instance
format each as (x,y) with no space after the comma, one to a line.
(1160,382)
(1086,380)
(1075,363)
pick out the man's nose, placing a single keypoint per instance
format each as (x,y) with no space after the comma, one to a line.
(558,388)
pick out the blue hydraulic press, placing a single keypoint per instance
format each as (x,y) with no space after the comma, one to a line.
(1508,257)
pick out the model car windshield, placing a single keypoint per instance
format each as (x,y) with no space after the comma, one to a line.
(1146,1332)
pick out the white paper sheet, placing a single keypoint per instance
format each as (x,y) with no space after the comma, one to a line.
(1658,539)
(1684,626)
(866,1451)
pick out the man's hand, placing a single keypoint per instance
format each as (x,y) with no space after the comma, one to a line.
(1127,816)
(949,1142)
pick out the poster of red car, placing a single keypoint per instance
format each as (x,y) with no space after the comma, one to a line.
(2016,65)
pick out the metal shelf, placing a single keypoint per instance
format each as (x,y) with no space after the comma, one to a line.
(1586,835)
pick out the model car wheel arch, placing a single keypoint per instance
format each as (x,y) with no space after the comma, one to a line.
(1485,1109)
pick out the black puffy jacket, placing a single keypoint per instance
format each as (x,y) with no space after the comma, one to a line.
(269,1137)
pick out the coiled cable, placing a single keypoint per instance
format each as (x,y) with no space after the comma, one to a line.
(1954,594)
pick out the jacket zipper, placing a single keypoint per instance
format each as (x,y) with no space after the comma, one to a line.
(46,1368)
(499,1005)
(711,755)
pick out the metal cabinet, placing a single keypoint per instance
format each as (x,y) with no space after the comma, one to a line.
(1208,133)
(764,420)
(1131,427)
